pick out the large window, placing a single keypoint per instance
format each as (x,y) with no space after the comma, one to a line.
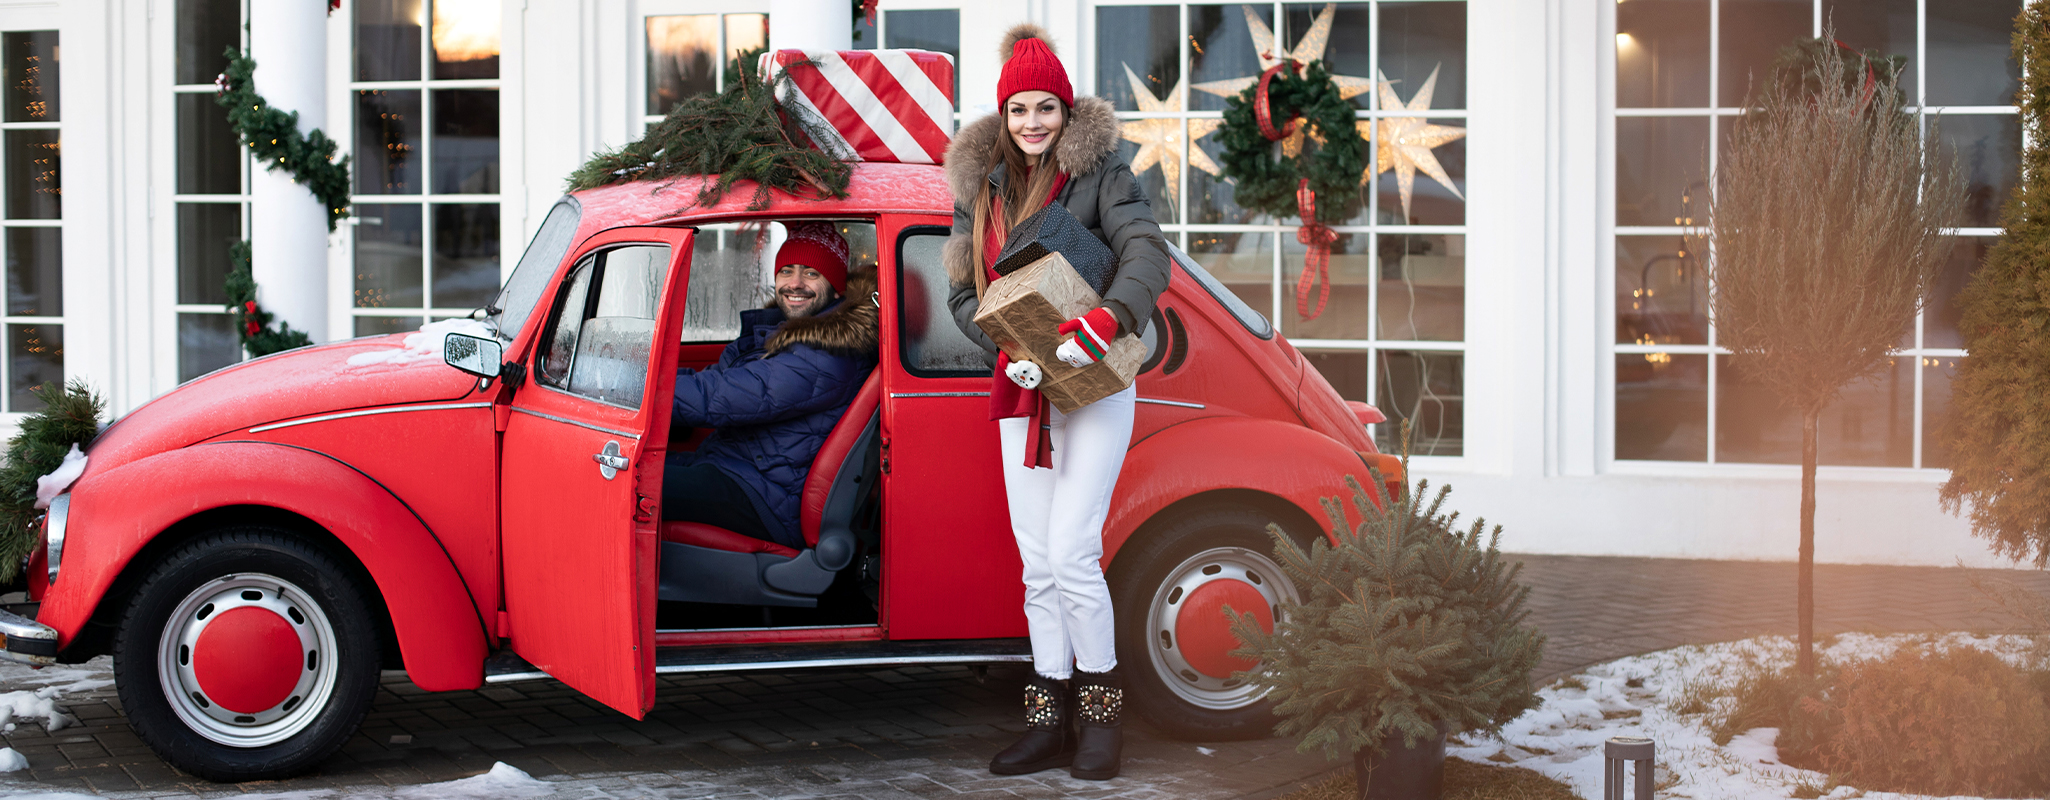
(211,197)
(31,216)
(1683,70)
(424,84)
(1393,330)
(688,54)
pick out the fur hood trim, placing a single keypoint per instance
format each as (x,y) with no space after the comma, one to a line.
(1091,136)
(847,330)
(1023,30)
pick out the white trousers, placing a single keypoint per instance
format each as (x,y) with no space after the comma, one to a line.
(1057,516)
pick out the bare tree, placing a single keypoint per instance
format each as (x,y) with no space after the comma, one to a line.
(1826,231)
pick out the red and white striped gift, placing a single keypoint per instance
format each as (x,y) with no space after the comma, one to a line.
(880,105)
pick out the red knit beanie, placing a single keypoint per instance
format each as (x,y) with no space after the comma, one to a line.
(1030,65)
(815,244)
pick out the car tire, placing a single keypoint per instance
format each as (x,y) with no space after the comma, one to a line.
(1173,640)
(247,654)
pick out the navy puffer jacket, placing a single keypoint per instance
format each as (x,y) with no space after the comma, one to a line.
(773,397)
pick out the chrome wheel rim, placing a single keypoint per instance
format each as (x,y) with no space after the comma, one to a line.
(1250,568)
(180,665)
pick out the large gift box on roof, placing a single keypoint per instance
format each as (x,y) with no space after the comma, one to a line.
(877,105)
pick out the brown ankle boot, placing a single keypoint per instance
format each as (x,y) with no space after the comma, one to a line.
(1099,707)
(1049,739)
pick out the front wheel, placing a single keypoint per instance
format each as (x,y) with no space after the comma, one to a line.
(247,654)
(1174,640)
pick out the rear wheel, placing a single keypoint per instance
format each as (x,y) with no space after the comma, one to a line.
(247,654)
(1174,641)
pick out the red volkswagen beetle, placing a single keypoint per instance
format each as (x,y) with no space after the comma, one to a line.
(255,546)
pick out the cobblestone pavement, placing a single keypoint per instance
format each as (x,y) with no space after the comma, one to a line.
(927,732)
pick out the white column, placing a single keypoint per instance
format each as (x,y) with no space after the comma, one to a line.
(288,226)
(810,25)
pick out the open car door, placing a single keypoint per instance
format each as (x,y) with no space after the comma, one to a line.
(581,466)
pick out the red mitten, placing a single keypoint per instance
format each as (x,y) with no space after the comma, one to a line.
(1093,333)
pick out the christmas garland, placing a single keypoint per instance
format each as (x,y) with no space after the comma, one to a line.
(255,332)
(1318,182)
(70,416)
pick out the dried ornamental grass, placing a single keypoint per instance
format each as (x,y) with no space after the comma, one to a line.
(1955,722)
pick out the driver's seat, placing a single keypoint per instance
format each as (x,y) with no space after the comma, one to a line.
(708,564)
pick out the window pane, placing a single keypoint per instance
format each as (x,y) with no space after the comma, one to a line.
(1342,44)
(34,175)
(465,255)
(864,33)
(1662,406)
(1416,38)
(380,326)
(1347,372)
(388,242)
(1661,54)
(35,357)
(1223,59)
(938,31)
(1423,288)
(205,232)
(1427,389)
(387,142)
(1887,26)
(744,32)
(1988,150)
(1419,145)
(1752,425)
(933,346)
(1141,39)
(1659,162)
(465,141)
(388,39)
(726,276)
(1872,423)
(680,62)
(31,75)
(209,150)
(1936,375)
(536,268)
(1345,313)
(205,30)
(1243,262)
(465,38)
(35,272)
(1162,153)
(1970,55)
(206,342)
(1661,292)
(1210,195)
(614,343)
(1941,317)
(1753,31)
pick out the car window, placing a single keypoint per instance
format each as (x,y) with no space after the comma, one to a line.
(728,275)
(1255,322)
(931,345)
(603,332)
(508,314)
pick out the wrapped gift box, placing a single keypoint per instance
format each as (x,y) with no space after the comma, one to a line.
(1023,312)
(878,105)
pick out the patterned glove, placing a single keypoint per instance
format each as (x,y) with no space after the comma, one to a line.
(1092,335)
(1024,373)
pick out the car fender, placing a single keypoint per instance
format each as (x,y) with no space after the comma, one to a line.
(115,514)
(1282,459)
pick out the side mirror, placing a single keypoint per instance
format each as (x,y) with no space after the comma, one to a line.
(477,355)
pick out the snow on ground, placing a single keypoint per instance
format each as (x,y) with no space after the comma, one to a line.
(37,697)
(1637,696)
(423,345)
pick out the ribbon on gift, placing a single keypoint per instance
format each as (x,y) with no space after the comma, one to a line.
(1317,261)
(875,105)
(1263,110)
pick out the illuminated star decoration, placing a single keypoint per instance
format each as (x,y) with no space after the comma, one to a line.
(1405,142)
(1310,48)
(1160,140)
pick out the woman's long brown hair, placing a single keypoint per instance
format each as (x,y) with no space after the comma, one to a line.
(1024,193)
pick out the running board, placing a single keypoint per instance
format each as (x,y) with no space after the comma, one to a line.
(506,667)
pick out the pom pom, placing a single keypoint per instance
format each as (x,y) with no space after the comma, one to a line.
(1018,32)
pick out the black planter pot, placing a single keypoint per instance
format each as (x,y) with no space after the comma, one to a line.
(1402,773)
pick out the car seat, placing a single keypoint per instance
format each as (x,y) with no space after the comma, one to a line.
(707,564)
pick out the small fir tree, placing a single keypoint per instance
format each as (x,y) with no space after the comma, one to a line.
(70,416)
(1409,626)
(1999,426)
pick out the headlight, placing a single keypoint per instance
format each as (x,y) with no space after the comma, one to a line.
(53,532)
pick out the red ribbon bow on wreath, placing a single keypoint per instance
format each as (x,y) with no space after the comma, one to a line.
(249,322)
(1317,235)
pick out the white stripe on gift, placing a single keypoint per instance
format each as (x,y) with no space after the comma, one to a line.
(930,96)
(835,144)
(871,109)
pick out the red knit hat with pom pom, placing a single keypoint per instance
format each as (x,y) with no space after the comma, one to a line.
(1030,65)
(815,244)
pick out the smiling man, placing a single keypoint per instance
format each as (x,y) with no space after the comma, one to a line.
(775,393)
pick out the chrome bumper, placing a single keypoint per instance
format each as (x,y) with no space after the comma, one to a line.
(26,641)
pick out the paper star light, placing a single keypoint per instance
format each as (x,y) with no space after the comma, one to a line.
(1405,142)
(1310,48)
(1160,140)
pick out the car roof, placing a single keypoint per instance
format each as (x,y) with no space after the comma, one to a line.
(871,188)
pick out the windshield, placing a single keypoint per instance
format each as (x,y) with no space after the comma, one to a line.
(508,313)
(1255,322)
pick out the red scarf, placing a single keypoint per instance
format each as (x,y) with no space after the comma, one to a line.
(1007,399)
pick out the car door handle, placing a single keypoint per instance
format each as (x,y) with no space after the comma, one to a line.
(610,462)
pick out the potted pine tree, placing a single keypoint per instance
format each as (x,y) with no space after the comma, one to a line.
(1410,630)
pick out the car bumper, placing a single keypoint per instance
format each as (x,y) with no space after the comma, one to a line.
(26,641)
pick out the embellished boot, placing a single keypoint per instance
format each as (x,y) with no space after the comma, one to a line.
(1049,739)
(1100,743)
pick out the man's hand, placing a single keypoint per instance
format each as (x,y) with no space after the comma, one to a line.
(1092,335)
(1024,373)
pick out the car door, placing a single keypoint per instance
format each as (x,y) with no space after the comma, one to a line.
(582,467)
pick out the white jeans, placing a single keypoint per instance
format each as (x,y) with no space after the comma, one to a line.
(1057,515)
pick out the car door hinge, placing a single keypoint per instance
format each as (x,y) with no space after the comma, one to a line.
(504,625)
(645,508)
(886,455)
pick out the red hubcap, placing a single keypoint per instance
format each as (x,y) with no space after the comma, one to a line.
(247,660)
(1202,632)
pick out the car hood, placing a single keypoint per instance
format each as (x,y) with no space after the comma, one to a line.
(295,383)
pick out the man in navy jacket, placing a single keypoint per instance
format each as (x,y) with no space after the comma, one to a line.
(775,393)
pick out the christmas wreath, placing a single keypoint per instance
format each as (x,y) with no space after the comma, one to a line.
(1276,171)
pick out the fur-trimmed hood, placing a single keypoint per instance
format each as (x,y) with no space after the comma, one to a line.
(847,329)
(1090,136)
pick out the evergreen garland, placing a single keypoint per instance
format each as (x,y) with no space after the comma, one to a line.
(1266,181)
(272,135)
(255,332)
(1999,425)
(1409,627)
(69,417)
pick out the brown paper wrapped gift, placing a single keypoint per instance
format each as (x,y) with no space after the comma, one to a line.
(1023,311)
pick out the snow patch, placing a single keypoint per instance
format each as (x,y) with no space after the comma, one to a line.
(11,760)
(59,479)
(423,345)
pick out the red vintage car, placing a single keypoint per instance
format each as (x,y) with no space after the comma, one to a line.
(256,545)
